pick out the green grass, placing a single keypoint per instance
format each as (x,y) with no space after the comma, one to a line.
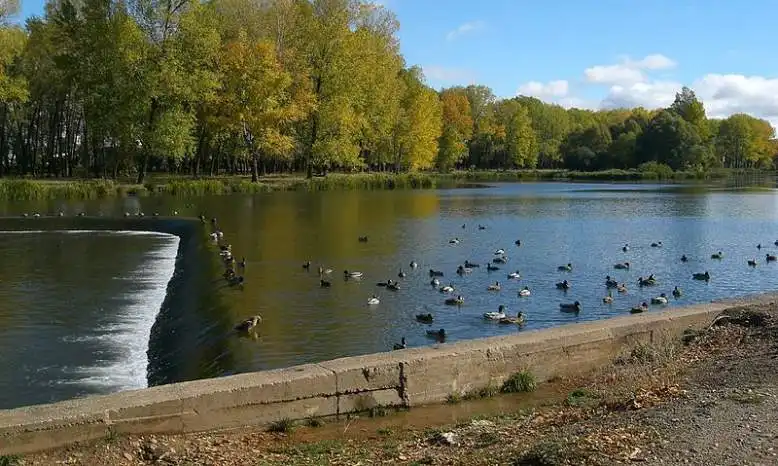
(314,422)
(485,392)
(24,189)
(9,460)
(520,382)
(582,397)
(281,426)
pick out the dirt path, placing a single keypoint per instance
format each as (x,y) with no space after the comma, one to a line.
(711,402)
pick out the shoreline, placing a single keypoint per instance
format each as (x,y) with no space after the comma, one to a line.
(656,403)
(24,189)
(343,387)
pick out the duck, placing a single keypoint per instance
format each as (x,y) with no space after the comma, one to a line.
(463,270)
(518,320)
(500,260)
(471,265)
(770,258)
(499,252)
(481,227)
(323,271)
(373,301)
(759,246)
(658,244)
(394,286)
(453,241)
(383,284)
(236,280)
(248,324)
(752,262)
(434,282)
(495,315)
(565,268)
(495,287)
(622,288)
(661,299)
(610,283)
(425,318)
(514,275)
(701,276)
(622,266)
(464,225)
(563,285)
(307,265)
(517,242)
(459,300)
(362,239)
(625,248)
(435,273)
(401,274)
(718,255)
(570,307)
(82,214)
(524,292)
(776,242)
(214,237)
(413,264)
(324,284)
(242,264)
(491,268)
(439,334)
(608,299)
(60,214)
(401,345)
(637,310)
(677,292)
(447,289)
(650,281)
(348,274)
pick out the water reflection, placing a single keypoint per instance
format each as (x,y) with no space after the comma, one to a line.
(584,224)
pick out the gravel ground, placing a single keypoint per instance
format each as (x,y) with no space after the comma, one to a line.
(713,401)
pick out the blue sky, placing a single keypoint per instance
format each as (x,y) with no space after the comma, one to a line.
(595,53)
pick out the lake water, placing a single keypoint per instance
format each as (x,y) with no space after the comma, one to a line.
(65,296)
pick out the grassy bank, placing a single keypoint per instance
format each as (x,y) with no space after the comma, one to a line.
(31,189)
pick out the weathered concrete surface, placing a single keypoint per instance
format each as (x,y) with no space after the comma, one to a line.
(408,377)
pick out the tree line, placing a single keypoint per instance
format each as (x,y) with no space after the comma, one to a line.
(110,88)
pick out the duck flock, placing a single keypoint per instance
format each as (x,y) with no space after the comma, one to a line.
(234,273)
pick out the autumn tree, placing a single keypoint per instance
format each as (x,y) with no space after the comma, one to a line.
(457,128)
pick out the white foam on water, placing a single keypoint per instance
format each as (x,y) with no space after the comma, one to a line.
(130,332)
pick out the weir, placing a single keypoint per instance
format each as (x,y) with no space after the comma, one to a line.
(410,377)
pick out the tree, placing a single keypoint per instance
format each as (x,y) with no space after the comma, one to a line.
(516,138)
(256,100)
(419,124)
(672,140)
(8,8)
(457,128)
(744,141)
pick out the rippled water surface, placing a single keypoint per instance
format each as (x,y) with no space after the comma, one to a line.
(76,311)
(59,290)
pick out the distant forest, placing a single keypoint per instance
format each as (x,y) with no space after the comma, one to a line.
(103,88)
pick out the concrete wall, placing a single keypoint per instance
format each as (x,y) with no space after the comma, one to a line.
(410,377)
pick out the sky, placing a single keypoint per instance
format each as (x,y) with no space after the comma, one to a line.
(595,53)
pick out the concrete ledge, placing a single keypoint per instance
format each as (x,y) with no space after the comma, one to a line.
(410,377)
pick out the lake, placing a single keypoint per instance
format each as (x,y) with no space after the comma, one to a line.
(77,307)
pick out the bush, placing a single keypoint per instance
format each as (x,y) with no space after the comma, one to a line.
(520,382)
(656,170)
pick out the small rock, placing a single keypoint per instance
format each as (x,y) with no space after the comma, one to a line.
(128,456)
(445,438)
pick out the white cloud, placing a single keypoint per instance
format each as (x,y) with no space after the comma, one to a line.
(554,89)
(465,29)
(628,71)
(630,84)
(446,75)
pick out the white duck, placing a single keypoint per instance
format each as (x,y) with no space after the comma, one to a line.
(661,299)
(525,292)
(496,315)
(514,275)
(499,252)
(447,289)
(373,301)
